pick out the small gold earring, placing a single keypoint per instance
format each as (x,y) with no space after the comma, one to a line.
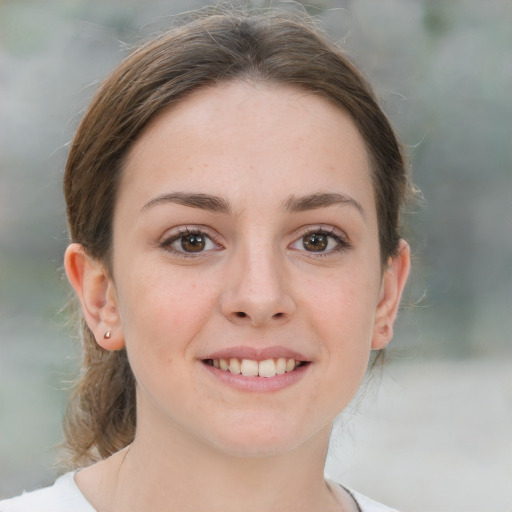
(107,335)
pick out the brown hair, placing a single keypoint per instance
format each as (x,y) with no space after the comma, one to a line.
(268,46)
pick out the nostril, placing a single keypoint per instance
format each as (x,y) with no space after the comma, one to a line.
(278,315)
(241,314)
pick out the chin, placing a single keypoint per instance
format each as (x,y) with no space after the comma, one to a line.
(259,439)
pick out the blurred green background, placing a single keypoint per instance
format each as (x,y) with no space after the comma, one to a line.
(440,420)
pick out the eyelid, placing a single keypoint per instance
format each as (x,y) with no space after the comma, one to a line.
(174,234)
(332,231)
(178,232)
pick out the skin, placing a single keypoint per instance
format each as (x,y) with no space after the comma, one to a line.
(255,286)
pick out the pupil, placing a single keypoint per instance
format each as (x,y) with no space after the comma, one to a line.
(315,242)
(193,243)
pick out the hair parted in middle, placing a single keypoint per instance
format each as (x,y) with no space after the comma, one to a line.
(264,46)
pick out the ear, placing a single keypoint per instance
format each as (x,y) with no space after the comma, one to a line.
(393,283)
(97,294)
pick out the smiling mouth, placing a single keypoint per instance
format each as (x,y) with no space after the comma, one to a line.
(252,368)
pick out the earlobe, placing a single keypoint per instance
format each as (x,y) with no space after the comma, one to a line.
(393,283)
(96,292)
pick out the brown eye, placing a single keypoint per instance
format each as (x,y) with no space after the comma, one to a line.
(315,242)
(194,242)
(320,242)
(189,243)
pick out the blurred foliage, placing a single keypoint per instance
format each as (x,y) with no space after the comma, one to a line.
(436,17)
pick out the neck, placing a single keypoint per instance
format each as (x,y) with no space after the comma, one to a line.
(167,468)
(190,476)
(194,477)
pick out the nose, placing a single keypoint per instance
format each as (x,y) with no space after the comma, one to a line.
(257,292)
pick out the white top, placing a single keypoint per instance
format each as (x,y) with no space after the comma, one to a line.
(65,496)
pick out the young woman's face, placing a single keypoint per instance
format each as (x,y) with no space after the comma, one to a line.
(245,235)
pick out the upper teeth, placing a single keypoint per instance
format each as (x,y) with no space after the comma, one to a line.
(252,368)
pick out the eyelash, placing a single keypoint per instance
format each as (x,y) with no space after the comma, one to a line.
(342,244)
(183,232)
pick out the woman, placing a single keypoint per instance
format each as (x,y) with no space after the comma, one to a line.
(233,197)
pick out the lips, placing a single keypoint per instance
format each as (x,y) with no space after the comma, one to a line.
(249,368)
(246,367)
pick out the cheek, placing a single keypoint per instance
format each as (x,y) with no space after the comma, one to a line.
(161,316)
(163,310)
(342,295)
(342,312)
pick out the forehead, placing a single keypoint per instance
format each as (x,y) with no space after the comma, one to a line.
(256,136)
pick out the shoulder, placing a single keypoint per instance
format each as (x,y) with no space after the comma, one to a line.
(62,496)
(364,503)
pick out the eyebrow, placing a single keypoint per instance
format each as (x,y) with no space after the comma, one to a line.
(202,201)
(320,200)
(218,204)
